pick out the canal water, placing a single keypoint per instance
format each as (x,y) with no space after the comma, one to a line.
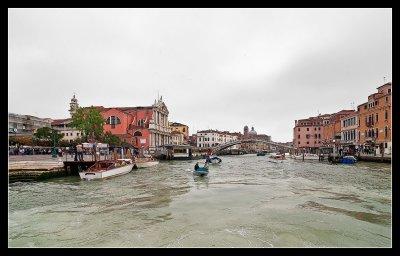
(247,201)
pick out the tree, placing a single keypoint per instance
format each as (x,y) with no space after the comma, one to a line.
(21,140)
(111,139)
(90,122)
(47,135)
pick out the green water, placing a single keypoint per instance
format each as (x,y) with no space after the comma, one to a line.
(247,201)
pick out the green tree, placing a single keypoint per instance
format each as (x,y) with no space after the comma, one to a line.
(111,139)
(90,122)
(45,135)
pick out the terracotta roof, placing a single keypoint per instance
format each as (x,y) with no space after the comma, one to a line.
(176,124)
(389,83)
(61,121)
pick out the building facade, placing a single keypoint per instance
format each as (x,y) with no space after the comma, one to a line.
(177,138)
(332,128)
(375,120)
(142,127)
(308,133)
(182,128)
(65,128)
(252,134)
(349,132)
(26,124)
(212,138)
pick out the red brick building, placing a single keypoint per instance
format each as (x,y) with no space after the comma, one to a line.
(143,127)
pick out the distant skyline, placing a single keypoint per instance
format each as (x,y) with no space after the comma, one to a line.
(215,68)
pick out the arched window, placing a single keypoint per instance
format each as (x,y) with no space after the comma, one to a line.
(113,120)
(140,122)
(137,133)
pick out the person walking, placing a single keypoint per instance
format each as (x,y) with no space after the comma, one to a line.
(79,151)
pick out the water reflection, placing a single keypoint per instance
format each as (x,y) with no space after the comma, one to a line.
(201,181)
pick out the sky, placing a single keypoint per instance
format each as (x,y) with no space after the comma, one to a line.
(215,68)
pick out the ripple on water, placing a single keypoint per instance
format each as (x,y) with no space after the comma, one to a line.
(246,201)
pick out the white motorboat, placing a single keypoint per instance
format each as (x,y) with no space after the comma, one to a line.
(107,169)
(306,157)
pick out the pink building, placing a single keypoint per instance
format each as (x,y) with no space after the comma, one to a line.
(143,127)
(307,133)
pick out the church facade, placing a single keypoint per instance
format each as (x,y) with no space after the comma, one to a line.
(143,127)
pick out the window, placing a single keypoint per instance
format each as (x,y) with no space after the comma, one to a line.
(386,131)
(376,134)
(315,136)
(298,129)
(298,136)
(319,136)
(376,117)
(387,99)
(183,129)
(386,115)
(365,106)
(315,128)
(319,128)
(298,142)
(113,120)
(308,142)
(358,108)
(77,134)
(389,90)
(308,129)
(385,144)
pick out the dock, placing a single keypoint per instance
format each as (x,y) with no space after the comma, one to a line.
(41,170)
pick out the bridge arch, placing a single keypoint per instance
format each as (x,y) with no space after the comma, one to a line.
(236,142)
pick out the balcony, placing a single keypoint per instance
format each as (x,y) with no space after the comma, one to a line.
(369,124)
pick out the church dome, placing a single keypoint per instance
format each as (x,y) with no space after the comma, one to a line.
(252,132)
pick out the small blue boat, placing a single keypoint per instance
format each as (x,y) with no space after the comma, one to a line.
(348,160)
(201,171)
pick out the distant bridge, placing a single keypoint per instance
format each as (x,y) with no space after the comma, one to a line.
(236,142)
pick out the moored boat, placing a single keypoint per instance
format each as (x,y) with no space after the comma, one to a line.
(260,154)
(348,160)
(107,169)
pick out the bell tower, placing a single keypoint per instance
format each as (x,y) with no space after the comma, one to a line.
(73,105)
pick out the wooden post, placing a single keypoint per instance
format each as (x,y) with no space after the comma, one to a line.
(303,155)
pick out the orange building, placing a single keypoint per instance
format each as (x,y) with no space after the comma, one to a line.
(332,128)
(375,120)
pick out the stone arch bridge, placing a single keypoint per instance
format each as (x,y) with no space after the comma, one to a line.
(236,142)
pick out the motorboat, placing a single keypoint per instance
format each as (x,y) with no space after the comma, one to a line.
(278,157)
(348,160)
(213,160)
(143,162)
(201,171)
(107,169)
(307,156)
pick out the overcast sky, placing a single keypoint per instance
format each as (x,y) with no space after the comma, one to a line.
(215,68)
